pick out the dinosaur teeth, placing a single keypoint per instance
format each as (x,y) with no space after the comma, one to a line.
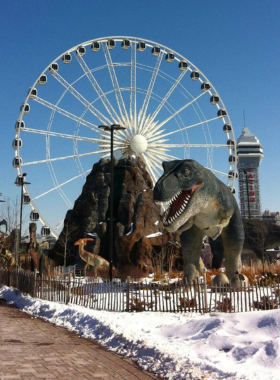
(167,220)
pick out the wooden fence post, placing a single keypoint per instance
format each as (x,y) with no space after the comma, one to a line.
(205,292)
(127,292)
(69,288)
(34,285)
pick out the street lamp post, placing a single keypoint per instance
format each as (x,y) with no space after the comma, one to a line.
(20,182)
(3,221)
(112,128)
(247,189)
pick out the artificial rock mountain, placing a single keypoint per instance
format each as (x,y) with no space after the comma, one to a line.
(135,216)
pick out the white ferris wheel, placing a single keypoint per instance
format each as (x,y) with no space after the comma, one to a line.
(169,108)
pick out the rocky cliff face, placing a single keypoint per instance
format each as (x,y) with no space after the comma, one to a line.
(136,216)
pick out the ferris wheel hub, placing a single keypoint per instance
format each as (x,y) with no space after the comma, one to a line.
(138,144)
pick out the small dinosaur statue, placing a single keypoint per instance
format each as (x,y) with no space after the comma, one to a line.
(91,259)
(5,245)
(35,251)
(9,258)
(199,204)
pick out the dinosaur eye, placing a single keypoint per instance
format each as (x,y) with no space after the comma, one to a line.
(187,171)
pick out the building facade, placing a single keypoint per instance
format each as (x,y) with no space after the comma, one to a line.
(250,155)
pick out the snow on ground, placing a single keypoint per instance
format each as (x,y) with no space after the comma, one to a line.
(174,346)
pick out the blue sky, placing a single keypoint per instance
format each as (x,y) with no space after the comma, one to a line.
(235,44)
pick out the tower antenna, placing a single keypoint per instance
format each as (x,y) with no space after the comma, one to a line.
(244,118)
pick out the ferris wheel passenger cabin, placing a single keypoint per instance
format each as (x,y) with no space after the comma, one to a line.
(141,46)
(183,65)
(169,57)
(17,143)
(81,50)
(205,87)
(125,44)
(42,79)
(17,161)
(155,50)
(34,216)
(25,199)
(194,75)
(111,44)
(53,68)
(214,99)
(32,93)
(19,126)
(45,231)
(25,108)
(66,58)
(95,46)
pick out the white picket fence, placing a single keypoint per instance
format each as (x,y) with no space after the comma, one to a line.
(144,296)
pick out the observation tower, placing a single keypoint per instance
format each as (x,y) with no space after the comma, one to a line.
(250,155)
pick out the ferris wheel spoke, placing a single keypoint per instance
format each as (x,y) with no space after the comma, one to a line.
(188,127)
(155,128)
(162,156)
(157,142)
(157,147)
(156,159)
(181,109)
(66,113)
(65,157)
(156,167)
(41,218)
(150,167)
(196,146)
(118,138)
(81,99)
(59,224)
(61,185)
(115,84)
(133,109)
(106,136)
(107,146)
(164,100)
(62,135)
(59,189)
(222,174)
(111,111)
(153,134)
(144,107)
(118,153)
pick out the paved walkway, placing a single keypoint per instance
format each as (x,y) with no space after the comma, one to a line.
(31,348)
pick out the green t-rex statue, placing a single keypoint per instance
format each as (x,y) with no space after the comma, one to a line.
(199,204)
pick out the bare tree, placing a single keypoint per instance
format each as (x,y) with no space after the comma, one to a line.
(256,232)
(158,257)
(9,211)
(65,239)
(173,253)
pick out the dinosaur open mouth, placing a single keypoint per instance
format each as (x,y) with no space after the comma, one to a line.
(178,204)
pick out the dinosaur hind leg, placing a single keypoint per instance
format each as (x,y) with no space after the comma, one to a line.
(233,239)
(217,250)
(191,243)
